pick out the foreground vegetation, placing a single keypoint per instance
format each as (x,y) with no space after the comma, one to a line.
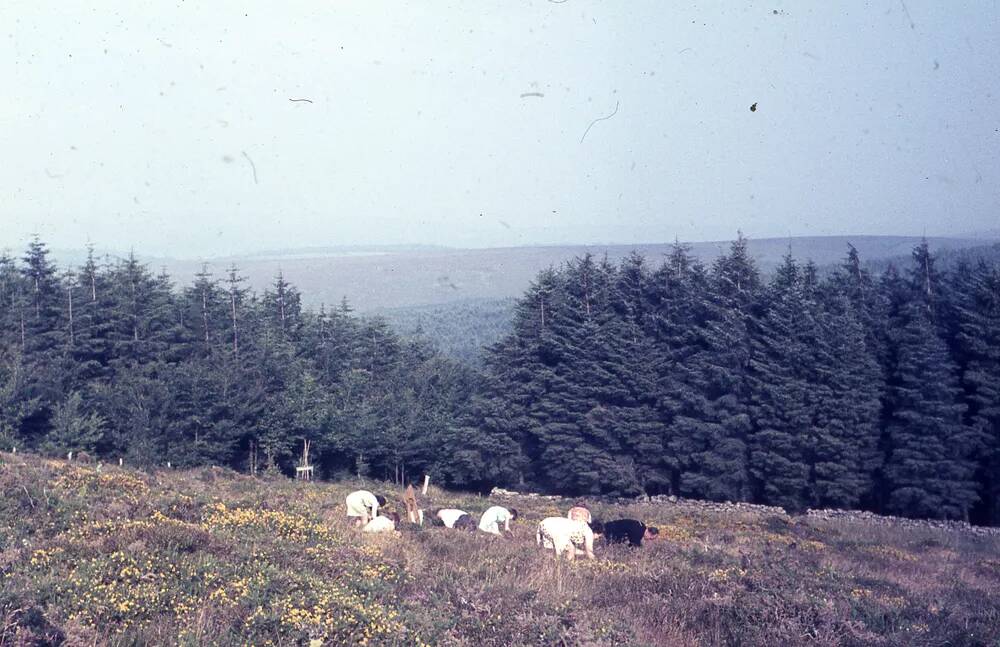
(122,557)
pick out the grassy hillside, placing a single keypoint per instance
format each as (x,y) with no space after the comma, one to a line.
(212,557)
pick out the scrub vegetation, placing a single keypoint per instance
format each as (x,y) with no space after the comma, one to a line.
(95,555)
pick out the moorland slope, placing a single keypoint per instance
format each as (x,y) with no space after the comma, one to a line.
(116,556)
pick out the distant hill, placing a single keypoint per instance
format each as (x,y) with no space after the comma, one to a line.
(462,299)
(945,259)
(374,279)
(986,235)
(462,329)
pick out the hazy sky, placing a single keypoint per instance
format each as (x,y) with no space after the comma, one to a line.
(170,127)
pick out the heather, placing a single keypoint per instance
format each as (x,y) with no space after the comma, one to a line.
(107,555)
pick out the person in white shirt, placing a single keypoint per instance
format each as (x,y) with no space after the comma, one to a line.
(493,517)
(449,516)
(362,506)
(566,536)
(383,523)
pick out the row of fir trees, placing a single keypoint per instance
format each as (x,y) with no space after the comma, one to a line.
(110,359)
(845,391)
(711,382)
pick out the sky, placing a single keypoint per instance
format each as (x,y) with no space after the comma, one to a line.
(219,127)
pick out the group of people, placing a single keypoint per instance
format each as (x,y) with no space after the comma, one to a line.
(363,508)
(571,535)
(495,520)
(574,534)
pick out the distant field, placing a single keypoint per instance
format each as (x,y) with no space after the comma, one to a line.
(209,556)
(394,277)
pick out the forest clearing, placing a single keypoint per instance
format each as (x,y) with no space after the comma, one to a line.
(106,555)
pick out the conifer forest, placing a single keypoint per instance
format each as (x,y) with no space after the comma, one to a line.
(847,388)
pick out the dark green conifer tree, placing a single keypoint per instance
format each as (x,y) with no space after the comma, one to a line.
(73,428)
(780,390)
(43,335)
(973,324)
(715,458)
(929,468)
(846,397)
(93,348)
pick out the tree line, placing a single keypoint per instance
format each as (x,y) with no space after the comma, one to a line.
(852,390)
(110,359)
(848,390)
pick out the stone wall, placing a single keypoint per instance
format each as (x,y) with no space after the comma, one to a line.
(743,508)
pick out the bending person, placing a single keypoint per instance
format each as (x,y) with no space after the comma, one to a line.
(451,516)
(566,536)
(629,530)
(362,506)
(383,523)
(493,517)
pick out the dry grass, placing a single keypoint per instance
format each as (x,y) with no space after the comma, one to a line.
(213,557)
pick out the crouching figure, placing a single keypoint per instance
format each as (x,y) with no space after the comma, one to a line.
(382,523)
(363,506)
(454,518)
(566,535)
(495,517)
(629,530)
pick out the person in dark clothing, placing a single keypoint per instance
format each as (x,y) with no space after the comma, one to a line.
(628,530)
(465,522)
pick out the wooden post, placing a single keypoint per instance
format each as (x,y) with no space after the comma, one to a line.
(410,500)
(427,481)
